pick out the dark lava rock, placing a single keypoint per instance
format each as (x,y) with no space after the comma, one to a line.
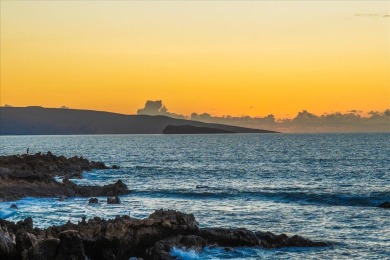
(44,249)
(118,188)
(14,206)
(70,246)
(7,244)
(39,166)
(113,200)
(115,166)
(125,237)
(33,176)
(24,241)
(270,240)
(385,205)
(161,249)
(62,198)
(93,201)
(230,237)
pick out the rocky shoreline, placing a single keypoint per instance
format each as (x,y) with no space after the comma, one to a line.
(33,176)
(125,237)
(120,238)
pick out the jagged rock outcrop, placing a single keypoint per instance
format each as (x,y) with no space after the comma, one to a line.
(125,237)
(40,166)
(33,176)
(93,201)
(385,205)
(162,249)
(113,200)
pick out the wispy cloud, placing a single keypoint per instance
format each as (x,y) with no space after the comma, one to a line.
(372,15)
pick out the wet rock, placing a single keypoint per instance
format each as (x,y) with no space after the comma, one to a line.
(24,241)
(93,201)
(125,237)
(161,249)
(118,188)
(44,249)
(385,205)
(166,223)
(62,198)
(186,223)
(113,200)
(271,240)
(7,245)
(115,166)
(38,166)
(14,206)
(33,176)
(70,246)
(230,237)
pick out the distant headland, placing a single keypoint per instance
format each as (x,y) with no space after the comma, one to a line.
(55,121)
(189,129)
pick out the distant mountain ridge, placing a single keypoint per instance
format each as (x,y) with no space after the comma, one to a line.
(57,121)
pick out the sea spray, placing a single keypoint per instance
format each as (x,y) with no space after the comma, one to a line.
(184,254)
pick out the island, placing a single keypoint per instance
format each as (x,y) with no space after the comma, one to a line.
(190,129)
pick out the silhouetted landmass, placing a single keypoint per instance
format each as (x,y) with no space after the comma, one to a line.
(189,129)
(55,121)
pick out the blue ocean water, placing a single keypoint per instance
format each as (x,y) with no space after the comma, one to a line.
(321,186)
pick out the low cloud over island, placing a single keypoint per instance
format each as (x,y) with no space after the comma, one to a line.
(304,121)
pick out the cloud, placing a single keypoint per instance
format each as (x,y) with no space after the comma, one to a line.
(156,108)
(368,14)
(373,15)
(304,121)
(152,108)
(355,111)
(267,121)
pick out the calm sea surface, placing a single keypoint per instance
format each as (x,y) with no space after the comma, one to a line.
(321,186)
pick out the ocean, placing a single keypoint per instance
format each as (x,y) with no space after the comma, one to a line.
(321,186)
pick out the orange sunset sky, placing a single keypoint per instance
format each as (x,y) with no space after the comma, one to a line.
(222,57)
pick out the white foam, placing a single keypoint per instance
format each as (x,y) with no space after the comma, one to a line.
(183,254)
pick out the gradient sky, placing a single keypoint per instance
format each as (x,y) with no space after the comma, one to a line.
(223,57)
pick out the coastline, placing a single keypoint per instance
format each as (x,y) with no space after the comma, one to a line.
(129,238)
(119,238)
(130,204)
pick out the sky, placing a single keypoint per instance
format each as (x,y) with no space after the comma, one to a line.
(236,58)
